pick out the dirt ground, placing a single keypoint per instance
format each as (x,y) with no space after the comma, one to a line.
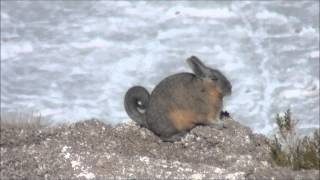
(94,150)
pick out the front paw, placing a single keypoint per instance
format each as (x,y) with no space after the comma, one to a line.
(224,114)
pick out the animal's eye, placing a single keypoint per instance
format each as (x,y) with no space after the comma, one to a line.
(214,78)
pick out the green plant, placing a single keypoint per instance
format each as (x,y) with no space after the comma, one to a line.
(288,149)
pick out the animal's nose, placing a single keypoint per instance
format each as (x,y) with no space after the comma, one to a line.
(229,89)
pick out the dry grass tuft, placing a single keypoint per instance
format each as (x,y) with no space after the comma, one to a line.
(20,120)
(288,149)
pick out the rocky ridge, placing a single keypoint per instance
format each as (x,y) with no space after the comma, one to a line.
(94,150)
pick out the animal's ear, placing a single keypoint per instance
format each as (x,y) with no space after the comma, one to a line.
(197,66)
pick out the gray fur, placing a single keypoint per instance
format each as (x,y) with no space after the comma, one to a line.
(182,92)
(135,102)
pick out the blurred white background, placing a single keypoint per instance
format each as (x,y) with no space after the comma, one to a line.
(73,60)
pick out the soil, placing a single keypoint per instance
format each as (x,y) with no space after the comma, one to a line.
(93,150)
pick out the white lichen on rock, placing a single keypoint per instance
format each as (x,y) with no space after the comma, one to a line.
(235,176)
(197,176)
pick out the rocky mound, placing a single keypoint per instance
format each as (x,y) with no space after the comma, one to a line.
(94,150)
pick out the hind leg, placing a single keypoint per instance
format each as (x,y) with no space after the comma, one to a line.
(175,137)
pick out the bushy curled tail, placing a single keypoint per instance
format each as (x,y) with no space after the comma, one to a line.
(136,102)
